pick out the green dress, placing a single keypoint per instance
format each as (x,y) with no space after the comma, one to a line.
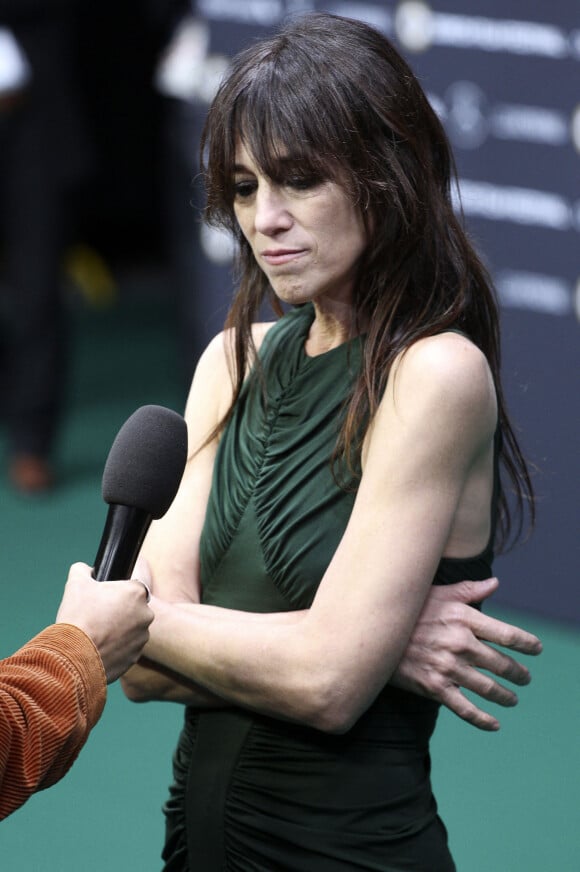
(253,793)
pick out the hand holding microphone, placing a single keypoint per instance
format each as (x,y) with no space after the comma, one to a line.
(115,616)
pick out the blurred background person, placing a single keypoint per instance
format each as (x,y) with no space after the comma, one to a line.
(185,76)
(45,154)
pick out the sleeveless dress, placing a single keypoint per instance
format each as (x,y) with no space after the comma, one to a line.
(256,794)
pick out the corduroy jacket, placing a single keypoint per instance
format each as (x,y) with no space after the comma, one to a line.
(52,693)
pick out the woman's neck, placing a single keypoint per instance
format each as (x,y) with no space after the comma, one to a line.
(332,326)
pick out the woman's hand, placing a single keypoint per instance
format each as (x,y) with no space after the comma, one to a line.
(449,646)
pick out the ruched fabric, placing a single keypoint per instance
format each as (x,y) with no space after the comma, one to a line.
(252,793)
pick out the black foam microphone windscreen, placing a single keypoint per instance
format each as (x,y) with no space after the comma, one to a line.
(141,477)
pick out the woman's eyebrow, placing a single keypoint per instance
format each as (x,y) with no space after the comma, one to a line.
(283,165)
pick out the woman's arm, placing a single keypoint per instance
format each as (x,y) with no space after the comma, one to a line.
(171,547)
(170,554)
(147,681)
(169,558)
(447,646)
(431,437)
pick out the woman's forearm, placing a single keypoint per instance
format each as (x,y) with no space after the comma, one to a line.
(150,682)
(270,663)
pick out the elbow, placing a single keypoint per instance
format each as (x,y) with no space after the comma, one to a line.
(134,689)
(334,723)
(336,719)
(331,687)
(331,706)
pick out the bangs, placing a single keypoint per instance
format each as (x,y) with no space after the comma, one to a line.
(289,121)
(277,121)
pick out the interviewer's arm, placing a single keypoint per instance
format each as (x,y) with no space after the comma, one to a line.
(52,693)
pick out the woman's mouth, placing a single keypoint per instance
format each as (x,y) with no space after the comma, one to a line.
(279,256)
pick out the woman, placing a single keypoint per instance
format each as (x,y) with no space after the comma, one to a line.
(343,459)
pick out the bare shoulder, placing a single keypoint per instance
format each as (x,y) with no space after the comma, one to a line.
(259,331)
(440,398)
(211,391)
(212,367)
(447,356)
(213,383)
(449,369)
(220,350)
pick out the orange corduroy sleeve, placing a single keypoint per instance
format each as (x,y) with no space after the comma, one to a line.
(52,693)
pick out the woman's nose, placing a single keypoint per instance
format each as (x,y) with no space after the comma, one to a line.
(272,214)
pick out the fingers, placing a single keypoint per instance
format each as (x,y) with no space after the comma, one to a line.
(502,665)
(468,711)
(485,627)
(80,570)
(508,636)
(486,687)
(468,591)
(145,588)
(453,642)
(469,651)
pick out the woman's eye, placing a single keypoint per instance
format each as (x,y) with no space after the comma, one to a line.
(244,189)
(302,183)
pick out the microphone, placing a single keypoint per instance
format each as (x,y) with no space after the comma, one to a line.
(140,479)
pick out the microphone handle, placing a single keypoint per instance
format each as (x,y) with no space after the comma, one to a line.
(125,529)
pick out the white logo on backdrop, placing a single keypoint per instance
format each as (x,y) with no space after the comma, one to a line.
(575,44)
(469,119)
(540,293)
(575,128)
(466,114)
(414,25)
(294,7)
(377,16)
(517,205)
(262,12)
(418,27)
(530,124)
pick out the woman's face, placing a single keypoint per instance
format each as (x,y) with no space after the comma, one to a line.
(306,235)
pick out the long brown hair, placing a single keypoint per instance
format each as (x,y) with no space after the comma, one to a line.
(335,98)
